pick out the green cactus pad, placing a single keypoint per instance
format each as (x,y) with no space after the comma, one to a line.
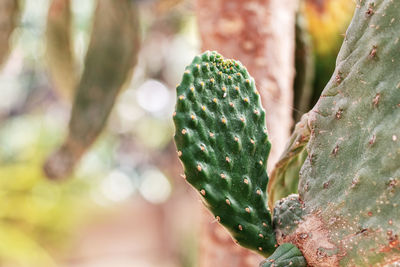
(288,213)
(350,181)
(223,144)
(285,255)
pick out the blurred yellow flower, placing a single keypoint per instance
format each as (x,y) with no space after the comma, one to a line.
(327,22)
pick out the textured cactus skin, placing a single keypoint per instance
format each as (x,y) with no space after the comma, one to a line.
(284,178)
(59,48)
(9,14)
(285,255)
(288,213)
(349,183)
(222,142)
(109,63)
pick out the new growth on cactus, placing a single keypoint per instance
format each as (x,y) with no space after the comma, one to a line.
(343,156)
(222,141)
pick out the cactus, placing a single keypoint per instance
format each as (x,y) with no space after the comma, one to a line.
(345,212)
(109,63)
(9,14)
(349,182)
(223,144)
(59,49)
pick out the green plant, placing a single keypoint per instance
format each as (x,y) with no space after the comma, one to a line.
(344,155)
(221,132)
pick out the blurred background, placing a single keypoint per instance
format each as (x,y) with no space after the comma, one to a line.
(126,204)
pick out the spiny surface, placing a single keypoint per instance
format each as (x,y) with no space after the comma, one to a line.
(223,144)
(285,255)
(350,182)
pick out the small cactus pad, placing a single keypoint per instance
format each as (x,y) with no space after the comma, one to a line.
(223,144)
(288,213)
(109,63)
(285,255)
(350,182)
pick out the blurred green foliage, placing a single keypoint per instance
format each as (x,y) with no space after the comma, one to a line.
(35,213)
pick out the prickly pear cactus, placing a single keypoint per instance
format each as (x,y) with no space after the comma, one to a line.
(349,189)
(349,184)
(223,144)
(109,63)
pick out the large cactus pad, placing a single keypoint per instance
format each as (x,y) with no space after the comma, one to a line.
(222,142)
(350,182)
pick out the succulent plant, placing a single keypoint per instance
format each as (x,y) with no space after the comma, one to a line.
(109,63)
(343,156)
(222,141)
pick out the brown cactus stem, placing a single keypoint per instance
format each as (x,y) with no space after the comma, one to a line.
(261,35)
